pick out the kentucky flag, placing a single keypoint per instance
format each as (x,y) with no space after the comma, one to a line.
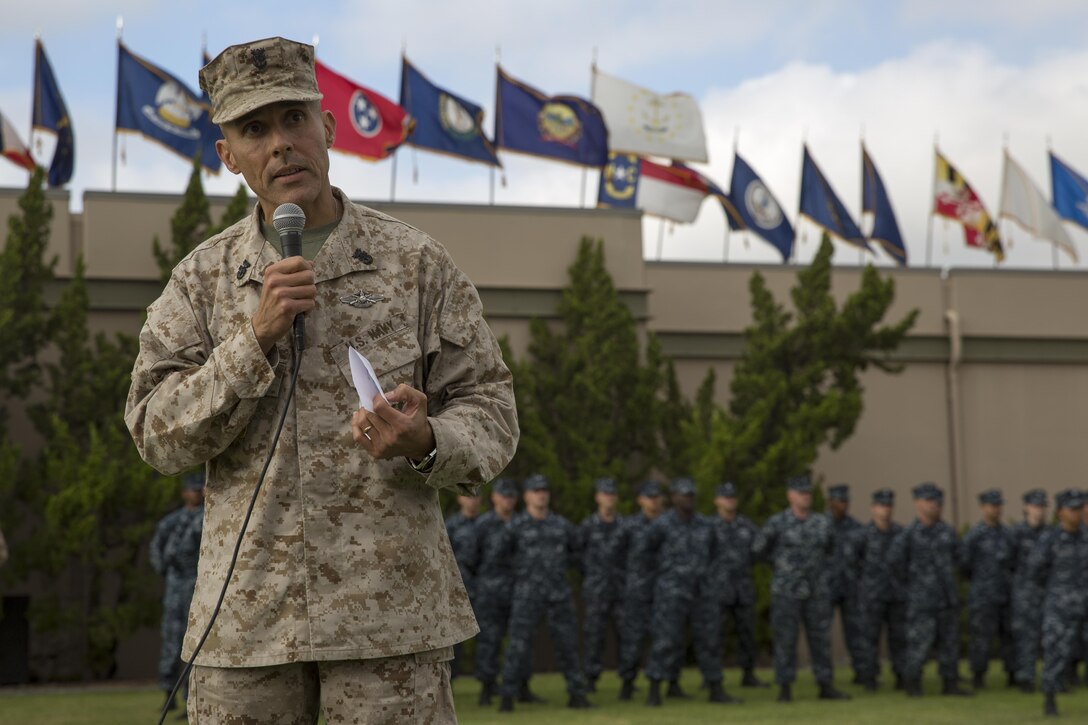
(565,128)
(445,122)
(875,201)
(51,114)
(820,204)
(1070,191)
(758,210)
(161,108)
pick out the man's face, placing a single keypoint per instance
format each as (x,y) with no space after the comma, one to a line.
(1070,518)
(927,508)
(650,505)
(991,512)
(799,499)
(538,498)
(1035,515)
(503,505)
(838,508)
(683,502)
(282,151)
(882,514)
(726,505)
(606,501)
(192,497)
(470,505)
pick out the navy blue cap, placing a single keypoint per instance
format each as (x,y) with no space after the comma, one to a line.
(726,490)
(605,485)
(884,497)
(193,481)
(800,483)
(1070,498)
(683,486)
(840,492)
(929,491)
(992,496)
(536,482)
(649,488)
(505,486)
(1035,497)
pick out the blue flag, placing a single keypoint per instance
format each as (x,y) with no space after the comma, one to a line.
(566,128)
(874,199)
(1070,192)
(820,204)
(160,107)
(758,210)
(618,188)
(445,122)
(50,114)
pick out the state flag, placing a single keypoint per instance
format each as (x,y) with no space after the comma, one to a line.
(758,208)
(955,199)
(12,147)
(672,192)
(1070,190)
(1023,202)
(368,124)
(875,201)
(50,113)
(820,204)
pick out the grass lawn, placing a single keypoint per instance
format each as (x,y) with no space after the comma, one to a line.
(108,705)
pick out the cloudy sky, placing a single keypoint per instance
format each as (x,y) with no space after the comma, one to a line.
(970,76)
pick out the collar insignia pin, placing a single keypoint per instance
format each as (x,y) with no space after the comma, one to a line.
(362,299)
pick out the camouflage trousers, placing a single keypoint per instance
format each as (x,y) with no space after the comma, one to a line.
(671,611)
(635,629)
(787,615)
(710,642)
(493,616)
(525,614)
(392,690)
(601,612)
(853,627)
(1027,629)
(1063,631)
(881,616)
(926,628)
(175,617)
(984,622)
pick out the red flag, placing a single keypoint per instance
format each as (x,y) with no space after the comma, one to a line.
(367,123)
(12,147)
(954,198)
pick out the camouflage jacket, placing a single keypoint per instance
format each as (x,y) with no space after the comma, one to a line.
(495,560)
(1025,538)
(799,550)
(1057,562)
(867,552)
(462,533)
(844,576)
(681,550)
(601,564)
(926,558)
(988,558)
(639,570)
(543,550)
(730,570)
(346,556)
(175,546)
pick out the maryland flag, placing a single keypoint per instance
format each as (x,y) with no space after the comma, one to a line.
(954,198)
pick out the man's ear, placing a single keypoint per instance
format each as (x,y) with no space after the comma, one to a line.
(329,122)
(222,147)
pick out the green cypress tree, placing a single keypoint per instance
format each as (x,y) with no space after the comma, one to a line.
(235,210)
(188,227)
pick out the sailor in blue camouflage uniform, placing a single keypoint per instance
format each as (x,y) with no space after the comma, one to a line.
(640,574)
(881,596)
(730,591)
(926,555)
(1027,594)
(798,542)
(1057,562)
(545,548)
(175,553)
(844,581)
(602,576)
(988,561)
(461,528)
(679,540)
(494,584)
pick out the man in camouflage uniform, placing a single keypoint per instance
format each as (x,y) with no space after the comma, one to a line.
(640,573)
(988,560)
(346,587)
(174,553)
(798,542)
(1057,562)
(545,547)
(729,590)
(494,584)
(844,585)
(602,576)
(881,598)
(1027,594)
(679,541)
(925,555)
(461,528)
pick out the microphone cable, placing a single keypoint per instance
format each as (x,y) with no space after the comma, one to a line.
(241,534)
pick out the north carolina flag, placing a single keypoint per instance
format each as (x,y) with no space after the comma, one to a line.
(954,198)
(12,147)
(672,192)
(367,123)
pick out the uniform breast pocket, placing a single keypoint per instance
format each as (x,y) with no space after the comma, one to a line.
(394,357)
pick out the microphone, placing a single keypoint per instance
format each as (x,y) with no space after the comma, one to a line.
(289,221)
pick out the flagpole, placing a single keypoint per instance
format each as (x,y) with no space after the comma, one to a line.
(592,88)
(660,238)
(932,203)
(113,158)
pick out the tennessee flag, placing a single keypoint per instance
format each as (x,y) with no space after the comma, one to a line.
(367,123)
(954,198)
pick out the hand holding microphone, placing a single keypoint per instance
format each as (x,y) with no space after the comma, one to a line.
(289,288)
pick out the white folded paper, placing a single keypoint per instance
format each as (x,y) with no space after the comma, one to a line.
(366,382)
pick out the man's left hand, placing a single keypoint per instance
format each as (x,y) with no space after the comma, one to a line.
(389,433)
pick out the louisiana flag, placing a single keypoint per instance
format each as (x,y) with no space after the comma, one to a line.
(955,199)
(368,124)
(565,128)
(51,114)
(12,147)
(158,106)
(820,204)
(673,192)
(875,201)
(444,121)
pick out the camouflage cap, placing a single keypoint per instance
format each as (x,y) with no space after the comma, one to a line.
(1070,498)
(991,496)
(1035,497)
(247,76)
(929,491)
(605,485)
(650,489)
(840,492)
(505,487)
(726,490)
(683,486)
(536,482)
(802,483)
(884,497)
(193,481)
